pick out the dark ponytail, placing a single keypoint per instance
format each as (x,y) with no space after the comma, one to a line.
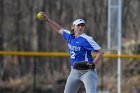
(72,32)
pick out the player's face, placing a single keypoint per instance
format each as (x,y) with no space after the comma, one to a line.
(79,28)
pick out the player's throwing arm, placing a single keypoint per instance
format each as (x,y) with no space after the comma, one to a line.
(56,27)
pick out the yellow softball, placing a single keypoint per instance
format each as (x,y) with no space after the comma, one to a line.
(40,16)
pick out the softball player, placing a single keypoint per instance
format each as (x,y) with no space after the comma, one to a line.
(81,47)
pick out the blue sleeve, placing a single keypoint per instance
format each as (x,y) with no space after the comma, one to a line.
(66,34)
(88,46)
(91,45)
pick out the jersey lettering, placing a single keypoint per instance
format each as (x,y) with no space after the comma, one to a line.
(74,48)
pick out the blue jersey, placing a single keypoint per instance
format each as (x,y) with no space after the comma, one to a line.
(80,48)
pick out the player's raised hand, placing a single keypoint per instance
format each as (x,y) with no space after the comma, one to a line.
(42,16)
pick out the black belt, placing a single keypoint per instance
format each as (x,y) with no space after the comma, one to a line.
(83,65)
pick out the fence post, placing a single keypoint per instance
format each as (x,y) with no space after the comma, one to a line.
(34,75)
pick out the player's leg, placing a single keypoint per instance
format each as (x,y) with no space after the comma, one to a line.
(73,83)
(90,81)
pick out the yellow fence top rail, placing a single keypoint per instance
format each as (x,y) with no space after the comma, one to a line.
(62,54)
